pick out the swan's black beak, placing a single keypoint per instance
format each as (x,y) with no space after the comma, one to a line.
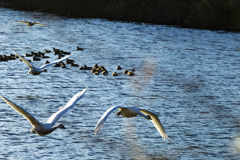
(149,117)
(62,127)
(118,113)
(32,131)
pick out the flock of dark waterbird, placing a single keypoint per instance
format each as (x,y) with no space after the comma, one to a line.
(38,56)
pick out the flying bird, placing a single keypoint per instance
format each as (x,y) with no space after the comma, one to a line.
(37,70)
(129,112)
(43,129)
(31,23)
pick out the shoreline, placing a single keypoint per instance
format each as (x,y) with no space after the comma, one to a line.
(199,14)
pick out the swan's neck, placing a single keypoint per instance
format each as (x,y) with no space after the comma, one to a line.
(58,126)
(55,127)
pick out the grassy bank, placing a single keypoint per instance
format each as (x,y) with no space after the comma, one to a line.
(209,14)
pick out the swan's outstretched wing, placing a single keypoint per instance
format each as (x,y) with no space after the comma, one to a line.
(40,24)
(104,117)
(34,122)
(53,119)
(22,22)
(24,60)
(57,61)
(156,122)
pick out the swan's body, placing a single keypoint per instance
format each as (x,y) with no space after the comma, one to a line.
(48,127)
(37,70)
(129,112)
(31,23)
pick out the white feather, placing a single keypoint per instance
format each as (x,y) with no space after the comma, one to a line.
(37,70)
(129,112)
(45,128)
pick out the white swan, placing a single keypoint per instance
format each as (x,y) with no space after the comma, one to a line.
(37,70)
(31,23)
(48,127)
(129,112)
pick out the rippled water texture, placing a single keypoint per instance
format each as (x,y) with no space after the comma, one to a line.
(188,77)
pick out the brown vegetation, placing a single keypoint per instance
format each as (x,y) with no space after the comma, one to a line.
(210,14)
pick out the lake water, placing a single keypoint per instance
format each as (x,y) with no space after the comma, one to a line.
(188,77)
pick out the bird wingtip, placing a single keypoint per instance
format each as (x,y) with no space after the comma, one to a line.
(95,131)
(165,137)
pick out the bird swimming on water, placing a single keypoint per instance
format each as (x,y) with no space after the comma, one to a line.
(37,70)
(31,23)
(43,129)
(129,112)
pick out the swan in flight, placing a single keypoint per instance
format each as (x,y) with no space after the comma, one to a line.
(37,70)
(48,127)
(31,23)
(129,112)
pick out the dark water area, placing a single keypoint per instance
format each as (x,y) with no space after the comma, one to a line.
(188,77)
